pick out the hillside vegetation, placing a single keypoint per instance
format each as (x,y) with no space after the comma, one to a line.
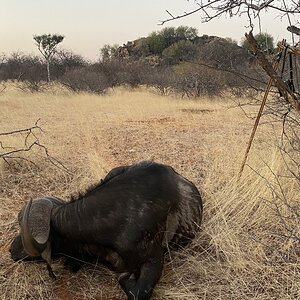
(248,245)
(172,60)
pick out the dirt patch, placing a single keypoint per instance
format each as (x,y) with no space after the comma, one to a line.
(153,120)
(196,111)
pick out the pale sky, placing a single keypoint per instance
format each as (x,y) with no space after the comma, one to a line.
(88,25)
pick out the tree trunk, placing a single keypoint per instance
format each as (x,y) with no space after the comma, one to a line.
(48,70)
(266,65)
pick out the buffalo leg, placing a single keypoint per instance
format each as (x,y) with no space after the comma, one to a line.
(141,288)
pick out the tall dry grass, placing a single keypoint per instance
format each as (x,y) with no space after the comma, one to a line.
(243,250)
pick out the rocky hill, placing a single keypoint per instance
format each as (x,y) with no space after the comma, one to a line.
(216,51)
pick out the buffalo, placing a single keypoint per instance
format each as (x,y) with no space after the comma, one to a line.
(127,220)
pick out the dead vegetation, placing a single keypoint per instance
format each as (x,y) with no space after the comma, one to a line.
(244,249)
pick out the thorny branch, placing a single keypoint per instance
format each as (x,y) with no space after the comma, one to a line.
(209,10)
(283,209)
(27,130)
(30,140)
(243,76)
(282,203)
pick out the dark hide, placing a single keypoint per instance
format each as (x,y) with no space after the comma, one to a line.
(75,254)
(127,220)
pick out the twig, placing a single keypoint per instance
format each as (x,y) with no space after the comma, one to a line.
(14,153)
(255,127)
(214,9)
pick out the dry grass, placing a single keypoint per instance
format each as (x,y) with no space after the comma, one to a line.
(240,253)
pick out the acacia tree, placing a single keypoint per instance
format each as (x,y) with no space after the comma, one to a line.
(46,44)
(107,52)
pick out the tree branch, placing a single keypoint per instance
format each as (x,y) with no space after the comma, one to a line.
(285,90)
(30,141)
(216,8)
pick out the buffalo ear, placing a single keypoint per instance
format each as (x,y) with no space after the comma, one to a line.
(39,220)
(34,221)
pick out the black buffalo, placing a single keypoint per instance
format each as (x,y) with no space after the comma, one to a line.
(127,220)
